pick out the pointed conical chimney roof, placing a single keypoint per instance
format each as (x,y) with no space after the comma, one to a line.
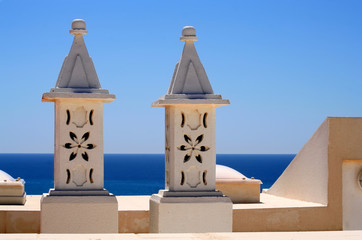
(78,77)
(190,84)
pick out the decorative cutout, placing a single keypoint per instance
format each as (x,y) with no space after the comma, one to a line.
(360,179)
(198,158)
(204,177)
(182,178)
(204,120)
(72,156)
(194,120)
(192,148)
(167,178)
(167,149)
(193,177)
(79,145)
(91,175)
(68,117)
(85,156)
(167,157)
(68,176)
(91,117)
(182,119)
(79,173)
(79,117)
(73,136)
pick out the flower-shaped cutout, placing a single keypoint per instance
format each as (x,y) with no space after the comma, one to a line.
(79,145)
(192,148)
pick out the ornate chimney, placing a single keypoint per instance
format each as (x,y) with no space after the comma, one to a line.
(190,151)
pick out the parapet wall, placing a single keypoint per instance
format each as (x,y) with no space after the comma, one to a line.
(271,214)
(328,170)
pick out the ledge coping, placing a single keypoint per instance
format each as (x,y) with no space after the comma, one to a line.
(141,203)
(322,235)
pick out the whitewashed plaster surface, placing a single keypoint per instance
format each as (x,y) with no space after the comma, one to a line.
(78,98)
(190,202)
(352,194)
(190,151)
(190,155)
(308,171)
(78,158)
(79,203)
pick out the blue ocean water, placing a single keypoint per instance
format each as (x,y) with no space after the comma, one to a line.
(137,174)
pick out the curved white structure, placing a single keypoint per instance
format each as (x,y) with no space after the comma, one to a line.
(11,190)
(236,186)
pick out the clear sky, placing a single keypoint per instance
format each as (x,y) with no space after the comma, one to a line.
(284,65)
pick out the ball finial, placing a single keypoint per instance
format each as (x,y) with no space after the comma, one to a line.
(188,33)
(78,27)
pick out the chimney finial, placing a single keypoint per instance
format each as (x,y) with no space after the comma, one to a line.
(188,34)
(78,27)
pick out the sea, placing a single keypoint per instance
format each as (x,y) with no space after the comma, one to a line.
(137,174)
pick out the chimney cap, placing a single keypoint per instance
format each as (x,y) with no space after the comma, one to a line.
(188,34)
(78,27)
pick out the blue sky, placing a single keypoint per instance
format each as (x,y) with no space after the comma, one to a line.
(284,65)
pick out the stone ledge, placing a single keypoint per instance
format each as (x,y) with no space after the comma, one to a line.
(271,214)
(331,235)
(141,203)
